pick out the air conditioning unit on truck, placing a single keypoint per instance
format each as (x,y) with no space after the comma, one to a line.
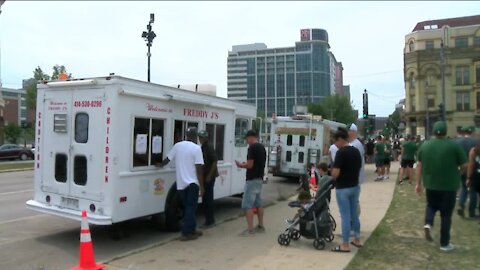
(98,140)
(296,142)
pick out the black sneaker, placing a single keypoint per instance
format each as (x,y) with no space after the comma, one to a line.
(188,237)
(198,233)
(461,212)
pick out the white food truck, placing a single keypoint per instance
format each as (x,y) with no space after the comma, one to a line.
(298,141)
(98,140)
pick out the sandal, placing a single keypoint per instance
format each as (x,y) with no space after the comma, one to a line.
(356,245)
(339,249)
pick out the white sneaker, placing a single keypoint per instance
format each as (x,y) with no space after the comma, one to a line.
(428,232)
(447,248)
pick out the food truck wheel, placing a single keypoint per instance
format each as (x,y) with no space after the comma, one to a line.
(174,211)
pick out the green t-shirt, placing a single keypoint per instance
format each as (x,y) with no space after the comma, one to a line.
(380,148)
(409,149)
(440,160)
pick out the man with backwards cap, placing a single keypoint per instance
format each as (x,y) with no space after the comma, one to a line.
(439,161)
(189,169)
(355,142)
(252,196)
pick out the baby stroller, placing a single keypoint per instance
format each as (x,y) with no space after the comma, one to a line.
(314,221)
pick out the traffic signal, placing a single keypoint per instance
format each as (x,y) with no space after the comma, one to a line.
(365,105)
(441,109)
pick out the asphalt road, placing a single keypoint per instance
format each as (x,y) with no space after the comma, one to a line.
(30,240)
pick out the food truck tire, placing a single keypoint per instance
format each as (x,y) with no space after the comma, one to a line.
(173,210)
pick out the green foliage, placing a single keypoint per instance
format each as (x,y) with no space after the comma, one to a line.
(393,121)
(12,133)
(337,108)
(39,75)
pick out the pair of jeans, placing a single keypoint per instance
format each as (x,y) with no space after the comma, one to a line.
(207,201)
(190,201)
(347,200)
(443,201)
(471,194)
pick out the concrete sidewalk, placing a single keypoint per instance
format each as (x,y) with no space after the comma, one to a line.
(222,248)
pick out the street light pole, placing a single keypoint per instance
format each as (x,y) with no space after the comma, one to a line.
(442,59)
(149,35)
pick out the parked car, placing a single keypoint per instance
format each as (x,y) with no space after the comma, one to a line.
(13,151)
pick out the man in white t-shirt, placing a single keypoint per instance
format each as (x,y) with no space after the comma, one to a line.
(355,142)
(188,159)
(332,151)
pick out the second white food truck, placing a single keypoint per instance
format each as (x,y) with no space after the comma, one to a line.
(98,140)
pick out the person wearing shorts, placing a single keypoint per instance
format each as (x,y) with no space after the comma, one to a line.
(380,158)
(409,149)
(255,165)
(388,157)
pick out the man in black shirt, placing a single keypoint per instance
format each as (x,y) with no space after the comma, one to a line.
(255,166)
(346,171)
(210,174)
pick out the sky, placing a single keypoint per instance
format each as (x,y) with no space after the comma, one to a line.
(93,38)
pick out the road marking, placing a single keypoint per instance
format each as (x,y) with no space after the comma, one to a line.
(20,219)
(16,192)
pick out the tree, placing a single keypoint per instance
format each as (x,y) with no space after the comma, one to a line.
(394,121)
(39,75)
(316,109)
(337,108)
(12,133)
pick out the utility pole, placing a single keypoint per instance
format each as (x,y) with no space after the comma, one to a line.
(442,59)
(149,35)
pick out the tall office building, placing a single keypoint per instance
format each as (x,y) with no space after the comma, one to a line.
(277,79)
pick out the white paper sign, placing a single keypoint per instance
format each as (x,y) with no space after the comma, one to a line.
(157,144)
(141,144)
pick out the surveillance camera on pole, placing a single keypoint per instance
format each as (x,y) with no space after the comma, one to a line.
(148,36)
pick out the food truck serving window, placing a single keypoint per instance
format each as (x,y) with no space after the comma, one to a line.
(216,136)
(147,141)
(241,128)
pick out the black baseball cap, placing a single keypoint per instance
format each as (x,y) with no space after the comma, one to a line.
(251,133)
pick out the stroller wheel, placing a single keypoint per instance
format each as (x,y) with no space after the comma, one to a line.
(330,238)
(283,240)
(319,244)
(294,235)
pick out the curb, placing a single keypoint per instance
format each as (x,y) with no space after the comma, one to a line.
(16,170)
(173,238)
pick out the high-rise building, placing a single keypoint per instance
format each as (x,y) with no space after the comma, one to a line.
(442,62)
(277,79)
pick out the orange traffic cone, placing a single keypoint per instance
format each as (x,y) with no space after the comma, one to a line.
(87,258)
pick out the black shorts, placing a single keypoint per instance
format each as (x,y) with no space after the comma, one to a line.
(407,163)
(386,162)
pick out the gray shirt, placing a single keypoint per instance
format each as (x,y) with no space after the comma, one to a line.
(357,144)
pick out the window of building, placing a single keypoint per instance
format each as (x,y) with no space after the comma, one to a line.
(261,86)
(61,168)
(431,102)
(270,106)
(251,66)
(462,75)
(288,156)
(148,137)
(241,128)
(429,45)
(476,41)
(280,85)
(289,140)
(80,170)
(304,62)
(301,157)
(216,136)
(81,128)
(478,100)
(302,141)
(411,46)
(411,81)
(477,73)
(461,42)
(463,101)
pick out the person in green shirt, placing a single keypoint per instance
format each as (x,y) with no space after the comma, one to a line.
(409,148)
(388,157)
(380,158)
(440,163)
